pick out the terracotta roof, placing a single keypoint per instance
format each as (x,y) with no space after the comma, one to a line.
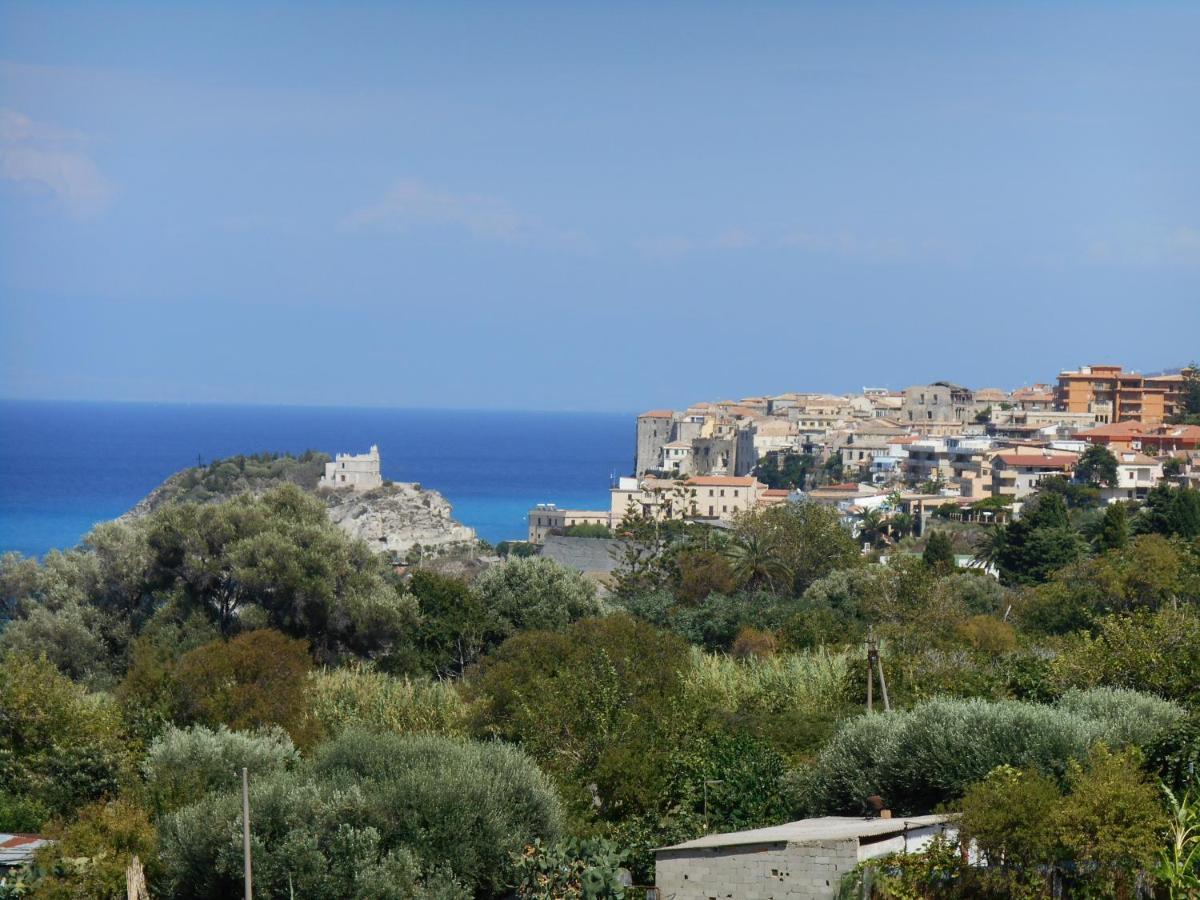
(657,414)
(1133,458)
(1115,429)
(722,480)
(776,492)
(1038,460)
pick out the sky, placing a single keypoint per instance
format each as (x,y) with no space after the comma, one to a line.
(605,206)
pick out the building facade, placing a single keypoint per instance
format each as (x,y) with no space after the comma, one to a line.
(358,472)
(1114,395)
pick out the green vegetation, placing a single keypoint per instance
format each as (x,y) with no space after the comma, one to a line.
(514,733)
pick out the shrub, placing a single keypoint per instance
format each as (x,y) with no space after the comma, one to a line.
(536,593)
(255,680)
(357,697)
(447,813)
(60,747)
(90,855)
(816,681)
(455,803)
(184,764)
(570,870)
(1155,652)
(918,758)
(595,704)
(308,840)
(1128,717)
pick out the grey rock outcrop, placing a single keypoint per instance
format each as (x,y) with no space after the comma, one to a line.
(397,517)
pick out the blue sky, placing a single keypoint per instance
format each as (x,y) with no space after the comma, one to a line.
(608,206)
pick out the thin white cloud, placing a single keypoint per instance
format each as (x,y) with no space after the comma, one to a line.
(1144,248)
(47,159)
(848,246)
(411,202)
(844,245)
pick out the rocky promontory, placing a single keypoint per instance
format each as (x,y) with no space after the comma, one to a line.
(396,518)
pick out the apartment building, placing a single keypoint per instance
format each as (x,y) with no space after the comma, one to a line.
(1016,473)
(1114,395)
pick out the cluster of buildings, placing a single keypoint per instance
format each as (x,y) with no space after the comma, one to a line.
(929,445)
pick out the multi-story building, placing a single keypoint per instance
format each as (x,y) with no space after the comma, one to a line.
(1137,473)
(1016,473)
(546,518)
(1157,439)
(718,497)
(941,401)
(1114,395)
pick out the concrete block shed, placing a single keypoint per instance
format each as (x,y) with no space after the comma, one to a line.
(802,860)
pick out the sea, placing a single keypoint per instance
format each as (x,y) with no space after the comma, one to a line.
(66,466)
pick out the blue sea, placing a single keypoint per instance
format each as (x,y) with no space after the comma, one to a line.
(66,466)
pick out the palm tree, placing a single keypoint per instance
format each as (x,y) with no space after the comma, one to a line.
(756,560)
(991,546)
(871,527)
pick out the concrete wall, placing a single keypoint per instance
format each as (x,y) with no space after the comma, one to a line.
(810,871)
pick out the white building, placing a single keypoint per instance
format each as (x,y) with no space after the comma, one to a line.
(359,472)
(1136,475)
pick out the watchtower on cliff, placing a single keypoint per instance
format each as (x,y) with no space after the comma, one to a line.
(358,472)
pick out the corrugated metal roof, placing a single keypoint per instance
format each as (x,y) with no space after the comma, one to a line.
(18,849)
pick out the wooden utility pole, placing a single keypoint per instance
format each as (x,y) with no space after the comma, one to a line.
(875,665)
(246,829)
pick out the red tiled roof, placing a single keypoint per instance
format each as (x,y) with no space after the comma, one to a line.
(657,414)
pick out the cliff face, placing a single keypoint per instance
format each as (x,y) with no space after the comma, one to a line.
(391,519)
(396,517)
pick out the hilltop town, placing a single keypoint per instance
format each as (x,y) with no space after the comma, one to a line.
(963,453)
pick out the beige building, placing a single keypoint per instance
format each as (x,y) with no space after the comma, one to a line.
(942,401)
(357,472)
(719,497)
(546,518)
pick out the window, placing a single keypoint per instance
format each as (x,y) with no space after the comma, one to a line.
(710,492)
(722,492)
(710,510)
(735,493)
(724,509)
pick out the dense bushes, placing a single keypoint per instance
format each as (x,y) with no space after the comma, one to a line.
(918,758)
(60,747)
(184,764)
(370,809)
(356,697)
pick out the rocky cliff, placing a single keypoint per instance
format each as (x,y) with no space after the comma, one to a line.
(397,517)
(392,519)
